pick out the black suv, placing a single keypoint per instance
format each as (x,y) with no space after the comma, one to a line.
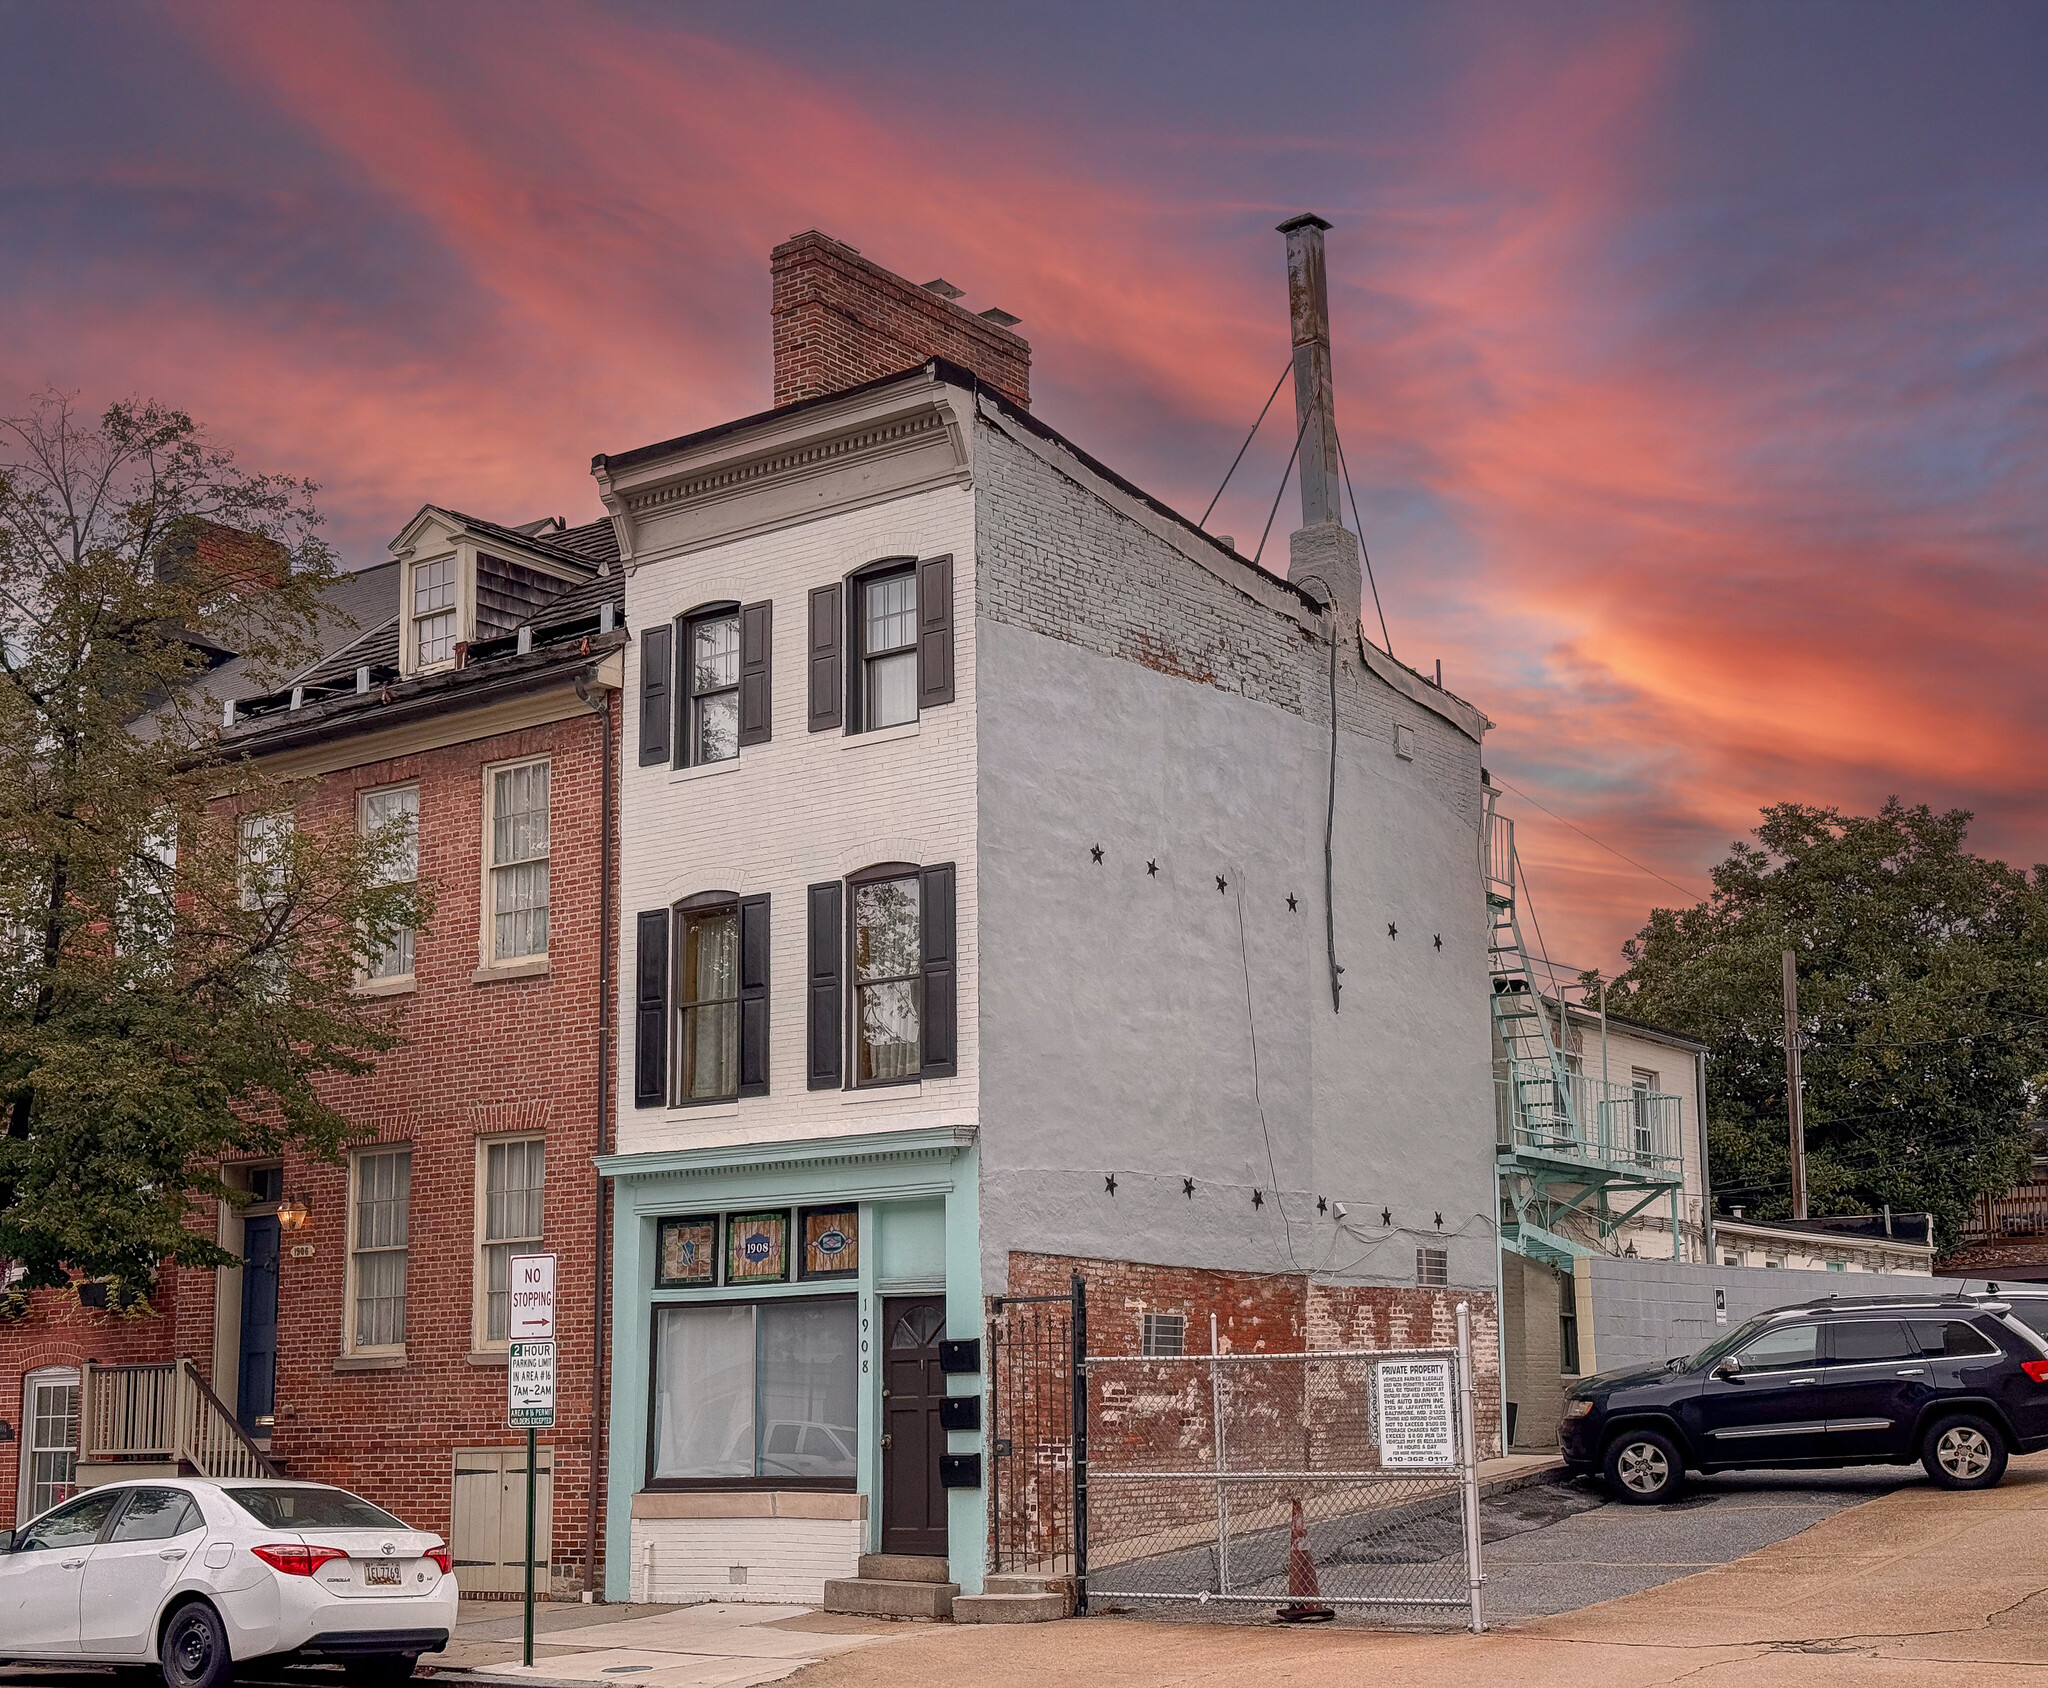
(1957,1383)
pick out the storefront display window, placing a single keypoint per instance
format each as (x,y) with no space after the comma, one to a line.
(756,1392)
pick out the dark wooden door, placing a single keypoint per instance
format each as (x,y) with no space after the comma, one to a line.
(913,1504)
(257,1392)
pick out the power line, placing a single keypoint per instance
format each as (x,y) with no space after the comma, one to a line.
(1609,848)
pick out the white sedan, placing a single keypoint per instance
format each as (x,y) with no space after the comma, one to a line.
(201,1576)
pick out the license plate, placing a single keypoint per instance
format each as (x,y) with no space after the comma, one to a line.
(380,1571)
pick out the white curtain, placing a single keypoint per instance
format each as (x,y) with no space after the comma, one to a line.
(704,1392)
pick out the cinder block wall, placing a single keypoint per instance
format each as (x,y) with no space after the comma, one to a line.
(1646,1311)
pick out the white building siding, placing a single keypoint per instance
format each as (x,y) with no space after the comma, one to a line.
(803,808)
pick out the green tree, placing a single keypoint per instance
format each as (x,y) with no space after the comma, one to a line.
(178,955)
(1923,1001)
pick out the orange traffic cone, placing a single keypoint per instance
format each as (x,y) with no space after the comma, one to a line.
(1305,1607)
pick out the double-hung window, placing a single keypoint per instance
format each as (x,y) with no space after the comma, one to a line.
(433,612)
(518,888)
(708,1004)
(50,1430)
(879,644)
(514,1182)
(380,1228)
(888,980)
(887,631)
(711,667)
(262,868)
(394,814)
(764,1392)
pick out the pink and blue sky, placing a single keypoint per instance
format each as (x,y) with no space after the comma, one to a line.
(1692,360)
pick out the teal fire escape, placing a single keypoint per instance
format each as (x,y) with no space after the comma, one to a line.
(1578,1157)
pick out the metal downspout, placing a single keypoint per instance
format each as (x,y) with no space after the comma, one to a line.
(1706,1177)
(602,708)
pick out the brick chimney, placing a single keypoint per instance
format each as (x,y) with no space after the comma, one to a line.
(841,320)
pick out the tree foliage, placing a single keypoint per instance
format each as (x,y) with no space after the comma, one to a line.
(1923,1001)
(179,957)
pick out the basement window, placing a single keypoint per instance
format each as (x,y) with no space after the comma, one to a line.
(1164,1336)
(1432,1267)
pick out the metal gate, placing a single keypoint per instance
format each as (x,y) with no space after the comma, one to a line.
(1314,1481)
(1037,1510)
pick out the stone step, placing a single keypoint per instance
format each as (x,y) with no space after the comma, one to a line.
(879,1597)
(1008,1582)
(904,1567)
(1012,1608)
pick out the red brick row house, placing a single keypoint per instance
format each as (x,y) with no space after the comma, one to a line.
(363,1342)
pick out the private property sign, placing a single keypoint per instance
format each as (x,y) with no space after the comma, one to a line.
(1412,1401)
(533,1298)
(530,1385)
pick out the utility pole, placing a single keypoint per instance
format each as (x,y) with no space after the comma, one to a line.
(1795,1086)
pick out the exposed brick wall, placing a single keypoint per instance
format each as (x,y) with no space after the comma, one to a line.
(480,1060)
(1056,559)
(1275,1313)
(841,319)
(58,1331)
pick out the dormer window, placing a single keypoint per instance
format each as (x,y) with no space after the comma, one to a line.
(434,617)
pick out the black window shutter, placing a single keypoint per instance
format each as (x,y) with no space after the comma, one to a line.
(757,628)
(753,996)
(824,647)
(823,1008)
(650,1010)
(940,1056)
(656,646)
(934,631)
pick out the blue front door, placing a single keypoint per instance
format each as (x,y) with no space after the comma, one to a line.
(256,1398)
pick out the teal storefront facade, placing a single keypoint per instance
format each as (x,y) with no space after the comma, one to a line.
(765,1296)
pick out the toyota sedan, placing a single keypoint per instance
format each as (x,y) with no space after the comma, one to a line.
(200,1576)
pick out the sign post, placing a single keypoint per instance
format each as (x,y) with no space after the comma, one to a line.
(530,1386)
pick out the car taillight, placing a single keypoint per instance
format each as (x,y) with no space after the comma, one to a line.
(2035,1369)
(295,1560)
(441,1557)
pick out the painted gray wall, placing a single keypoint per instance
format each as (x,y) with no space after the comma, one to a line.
(1647,1311)
(1115,1032)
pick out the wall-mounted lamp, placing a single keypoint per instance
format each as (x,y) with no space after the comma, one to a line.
(293,1214)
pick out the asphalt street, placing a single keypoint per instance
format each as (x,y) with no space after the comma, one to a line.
(1555,1547)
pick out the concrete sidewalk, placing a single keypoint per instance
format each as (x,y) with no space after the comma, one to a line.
(716,1645)
(1916,1583)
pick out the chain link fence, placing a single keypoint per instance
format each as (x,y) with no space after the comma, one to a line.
(1311,1482)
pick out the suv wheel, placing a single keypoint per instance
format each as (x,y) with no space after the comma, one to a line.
(1644,1467)
(1963,1453)
(195,1650)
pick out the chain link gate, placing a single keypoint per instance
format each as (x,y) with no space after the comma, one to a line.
(1037,1499)
(1234,1481)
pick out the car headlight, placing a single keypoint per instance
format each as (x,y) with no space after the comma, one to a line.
(1577,1409)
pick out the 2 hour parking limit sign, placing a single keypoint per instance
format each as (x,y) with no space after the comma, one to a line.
(530,1385)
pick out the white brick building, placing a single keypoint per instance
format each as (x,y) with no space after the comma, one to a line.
(974,813)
